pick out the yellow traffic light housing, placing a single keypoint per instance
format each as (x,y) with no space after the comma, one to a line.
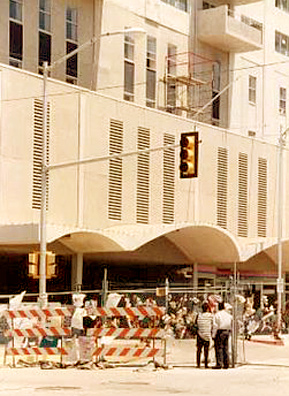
(189,154)
(34,262)
(50,265)
(33,265)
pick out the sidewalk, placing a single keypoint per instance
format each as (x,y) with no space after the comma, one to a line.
(265,371)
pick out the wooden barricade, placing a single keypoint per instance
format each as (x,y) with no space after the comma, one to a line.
(38,330)
(119,352)
(92,346)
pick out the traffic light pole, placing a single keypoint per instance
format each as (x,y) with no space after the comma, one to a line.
(42,265)
(280,281)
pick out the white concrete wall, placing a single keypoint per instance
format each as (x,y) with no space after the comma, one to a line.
(80,129)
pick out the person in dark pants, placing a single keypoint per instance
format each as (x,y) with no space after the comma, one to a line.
(204,334)
(222,325)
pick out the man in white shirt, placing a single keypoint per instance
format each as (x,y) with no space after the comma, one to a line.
(222,325)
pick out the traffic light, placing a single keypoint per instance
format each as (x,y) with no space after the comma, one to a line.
(33,265)
(34,262)
(189,154)
(50,265)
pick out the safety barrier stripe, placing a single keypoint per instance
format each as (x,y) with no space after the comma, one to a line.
(140,311)
(129,333)
(38,313)
(36,351)
(128,352)
(39,332)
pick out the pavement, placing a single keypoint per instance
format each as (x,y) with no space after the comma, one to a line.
(262,369)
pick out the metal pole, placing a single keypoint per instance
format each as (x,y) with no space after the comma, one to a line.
(167,294)
(234,332)
(280,284)
(104,291)
(42,264)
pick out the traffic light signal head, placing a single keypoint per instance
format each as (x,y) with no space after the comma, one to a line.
(189,154)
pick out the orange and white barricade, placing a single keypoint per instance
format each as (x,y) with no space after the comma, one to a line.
(118,344)
(39,325)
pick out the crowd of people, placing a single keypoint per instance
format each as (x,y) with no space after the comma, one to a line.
(207,318)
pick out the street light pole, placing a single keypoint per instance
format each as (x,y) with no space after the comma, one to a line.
(280,280)
(44,168)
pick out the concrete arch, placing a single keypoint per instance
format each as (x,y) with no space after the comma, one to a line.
(266,260)
(84,242)
(184,244)
(200,243)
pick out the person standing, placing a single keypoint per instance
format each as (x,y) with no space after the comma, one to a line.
(222,325)
(204,322)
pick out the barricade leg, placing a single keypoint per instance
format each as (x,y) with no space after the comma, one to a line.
(165,351)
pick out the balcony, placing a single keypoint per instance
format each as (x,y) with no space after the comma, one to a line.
(235,2)
(224,29)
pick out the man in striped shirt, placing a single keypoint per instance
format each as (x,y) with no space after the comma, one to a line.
(204,334)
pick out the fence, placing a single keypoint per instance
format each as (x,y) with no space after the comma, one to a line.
(142,326)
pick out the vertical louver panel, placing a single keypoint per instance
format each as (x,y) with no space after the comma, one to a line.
(37,153)
(143,177)
(262,197)
(243,195)
(169,180)
(222,187)
(115,170)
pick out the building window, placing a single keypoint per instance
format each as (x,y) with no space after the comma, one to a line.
(15,44)
(71,24)
(129,67)
(282,4)
(71,63)
(216,85)
(71,45)
(151,71)
(44,50)
(15,10)
(45,15)
(282,100)
(216,106)
(171,74)
(282,43)
(252,89)
(180,4)
(15,33)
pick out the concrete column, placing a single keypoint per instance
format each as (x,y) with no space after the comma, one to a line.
(76,270)
(195,276)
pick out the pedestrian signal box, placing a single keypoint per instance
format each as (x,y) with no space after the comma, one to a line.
(189,154)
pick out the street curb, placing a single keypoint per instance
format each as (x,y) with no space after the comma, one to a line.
(269,342)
